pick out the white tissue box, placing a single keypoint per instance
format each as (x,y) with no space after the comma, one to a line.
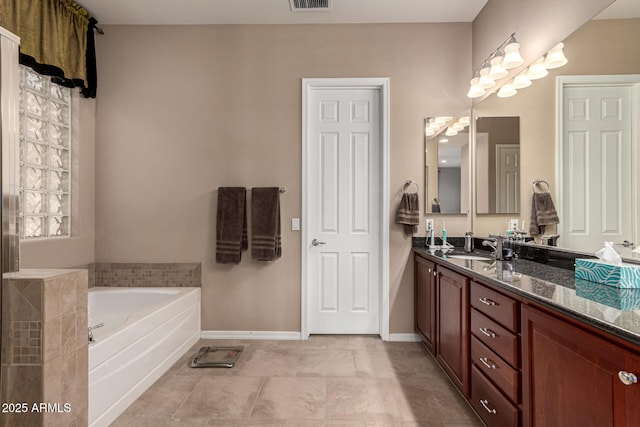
(620,276)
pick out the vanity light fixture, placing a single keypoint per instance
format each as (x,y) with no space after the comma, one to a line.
(485,79)
(555,57)
(495,67)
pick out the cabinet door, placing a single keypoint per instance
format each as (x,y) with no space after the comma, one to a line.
(570,376)
(452,337)
(425,310)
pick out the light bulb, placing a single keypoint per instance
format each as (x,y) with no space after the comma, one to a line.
(555,57)
(451,132)
(536,70)
(512,58)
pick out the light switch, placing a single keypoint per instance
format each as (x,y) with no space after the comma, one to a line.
(295,224)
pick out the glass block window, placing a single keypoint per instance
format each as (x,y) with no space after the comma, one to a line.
(45,156)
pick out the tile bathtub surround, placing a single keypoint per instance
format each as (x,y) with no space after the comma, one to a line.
(145,274)
(45,351)
(324,381)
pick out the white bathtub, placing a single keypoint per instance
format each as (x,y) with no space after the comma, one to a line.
(146,330)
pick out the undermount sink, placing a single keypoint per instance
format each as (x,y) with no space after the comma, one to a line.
(470,257)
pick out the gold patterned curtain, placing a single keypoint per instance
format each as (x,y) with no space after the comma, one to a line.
(56,39)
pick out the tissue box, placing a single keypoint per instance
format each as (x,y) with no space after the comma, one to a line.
(620,276)
(620,298)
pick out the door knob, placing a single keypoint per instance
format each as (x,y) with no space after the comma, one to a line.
(627,378)
(316,242)
(626,244)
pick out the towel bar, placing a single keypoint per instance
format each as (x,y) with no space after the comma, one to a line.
(282,189)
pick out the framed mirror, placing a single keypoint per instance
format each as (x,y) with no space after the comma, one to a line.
(447,164)
(498,165)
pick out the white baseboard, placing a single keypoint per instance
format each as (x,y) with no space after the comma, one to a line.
(250,335)
(283,335)
(404,337)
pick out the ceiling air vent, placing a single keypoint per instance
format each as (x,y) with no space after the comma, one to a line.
(310,5)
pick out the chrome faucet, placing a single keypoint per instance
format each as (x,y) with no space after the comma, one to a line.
(496,244)
(91,328)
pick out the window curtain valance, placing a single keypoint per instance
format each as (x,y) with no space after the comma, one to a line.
(56,39)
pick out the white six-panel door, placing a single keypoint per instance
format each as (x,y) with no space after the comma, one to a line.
(597,194)
(344,190)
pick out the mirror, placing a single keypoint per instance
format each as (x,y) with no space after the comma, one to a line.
(498,165)
(605,46)
(447,161)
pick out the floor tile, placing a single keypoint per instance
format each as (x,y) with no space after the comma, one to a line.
(431,400)
(133,421)
(291,398)
(271,363)
(172,390)
(325,381)
(361,399)
(221,398)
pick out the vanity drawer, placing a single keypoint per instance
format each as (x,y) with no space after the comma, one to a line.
(494,368)
(494,409)
(502,309)
(494,336)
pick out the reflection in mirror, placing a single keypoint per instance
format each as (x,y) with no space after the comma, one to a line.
(606,46)
(447,164)
(498,165)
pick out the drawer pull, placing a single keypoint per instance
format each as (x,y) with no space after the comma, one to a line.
(488,363)
(485,405)
(488,332)
(487,301)
(627,378)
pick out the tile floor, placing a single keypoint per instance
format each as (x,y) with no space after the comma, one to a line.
(324,381)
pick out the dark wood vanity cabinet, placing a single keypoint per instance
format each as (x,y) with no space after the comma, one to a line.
(452,326)
(520,363)
(425,301)
(572,377)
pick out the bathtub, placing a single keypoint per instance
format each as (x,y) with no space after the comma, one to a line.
(146,330)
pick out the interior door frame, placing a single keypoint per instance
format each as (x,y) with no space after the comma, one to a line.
(382,85)
(629,80)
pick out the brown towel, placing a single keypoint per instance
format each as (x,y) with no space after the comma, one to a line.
(543,213)
(409,212)
(231,225)
(266,242)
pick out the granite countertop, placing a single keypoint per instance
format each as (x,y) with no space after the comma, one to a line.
(613,310)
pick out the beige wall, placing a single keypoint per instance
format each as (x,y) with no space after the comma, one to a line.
(184,110)
(615,44)
(79,249)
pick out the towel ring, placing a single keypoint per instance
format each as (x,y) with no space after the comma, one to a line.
(537,182)
(408,183)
